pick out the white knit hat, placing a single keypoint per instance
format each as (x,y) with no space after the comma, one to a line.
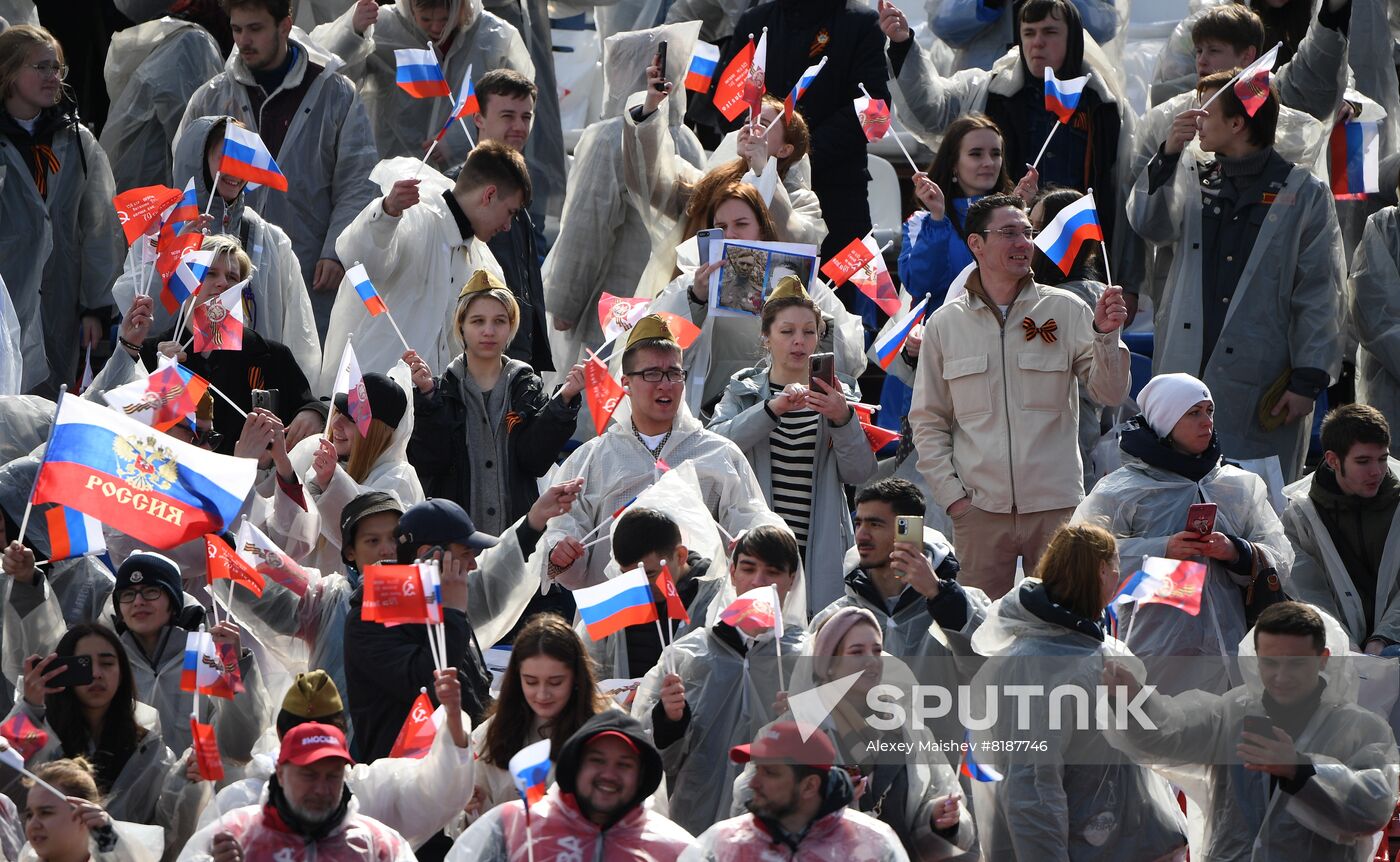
(1167,397)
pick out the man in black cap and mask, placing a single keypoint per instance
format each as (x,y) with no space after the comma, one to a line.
(604,774)
(386,666)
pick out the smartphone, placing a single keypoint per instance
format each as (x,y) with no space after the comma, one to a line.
(909,528)
(1259,725)
(824,368)
(265,399)
(660,86)
(703,239)
(77,670)
(1200,518)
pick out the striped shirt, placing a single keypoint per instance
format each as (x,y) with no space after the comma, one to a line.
(792,446)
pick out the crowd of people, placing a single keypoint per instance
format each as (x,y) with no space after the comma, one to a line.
(687,485)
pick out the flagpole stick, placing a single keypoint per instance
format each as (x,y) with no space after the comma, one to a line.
(598,541)
(330,413)
(404,341)
(1053,129)
(29,504)
(1107,275)
(213,191)
(463,121)
(239,410)
(424,163)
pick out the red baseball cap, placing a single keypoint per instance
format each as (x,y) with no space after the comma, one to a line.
(782,742)
(614,733)
(307,743)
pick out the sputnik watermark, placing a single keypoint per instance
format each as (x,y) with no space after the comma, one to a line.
(892,707)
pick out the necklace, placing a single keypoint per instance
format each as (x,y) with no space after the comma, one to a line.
(654,453)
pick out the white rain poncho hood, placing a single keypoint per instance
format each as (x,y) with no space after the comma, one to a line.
(1143,506)
(151,71)
(11,359)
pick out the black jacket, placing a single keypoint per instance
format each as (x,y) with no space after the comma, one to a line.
(515,251)
(386,666)
(539,426)
(800,33)
(261,364)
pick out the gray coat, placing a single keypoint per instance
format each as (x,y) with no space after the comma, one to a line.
(1284,313)
(843,457)
(1374,305)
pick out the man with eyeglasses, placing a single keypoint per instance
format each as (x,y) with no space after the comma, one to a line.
(995,415)
(658,435)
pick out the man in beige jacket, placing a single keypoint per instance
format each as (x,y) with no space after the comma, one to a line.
(996,410)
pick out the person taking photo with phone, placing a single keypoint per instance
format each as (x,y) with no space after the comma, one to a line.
(799,434)
(152,617)
(94,713)
(1172,461)
(1319,770)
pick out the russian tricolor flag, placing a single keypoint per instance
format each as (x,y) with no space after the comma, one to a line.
(1062,97)
(146,484)
(887,346)
(1161,581)
(1354,162)
(73,534)
(529,768)
(800,88)
(616,604)
(374,303)
(189,273)
(247,157)
(465,106)
(970,767)
(419,74)
(703,64)
(186,208)
(1070,229)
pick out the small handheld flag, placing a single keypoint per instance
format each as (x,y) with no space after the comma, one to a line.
(365,288)
(395,595)
(140,209)
(681,327)
(675,608)
(268,560)
(188,275)
(419,74)
(218,322)
(971,768)
(1354,160)
(73,534)
(1252,86)
(616,604)
(24,735)
(1068,231)
(602,391)
(1062,96)
(847,262)
(756,85)
(729,93)
(754,612)
(186,208)
(800,88)
(171,249)
(529,769)
(888,346)
(874,115)
(464,107)
(206,750)
(873,279)
(224,564)
(205,671)
(703,63)
(617,314)
(1176,583)
(416,736)
(248,158)
(161,400)
(350,381)
(877,437)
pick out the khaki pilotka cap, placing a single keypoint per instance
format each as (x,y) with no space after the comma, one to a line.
(789,287)
(649,328)
(482,280)
(313,695)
